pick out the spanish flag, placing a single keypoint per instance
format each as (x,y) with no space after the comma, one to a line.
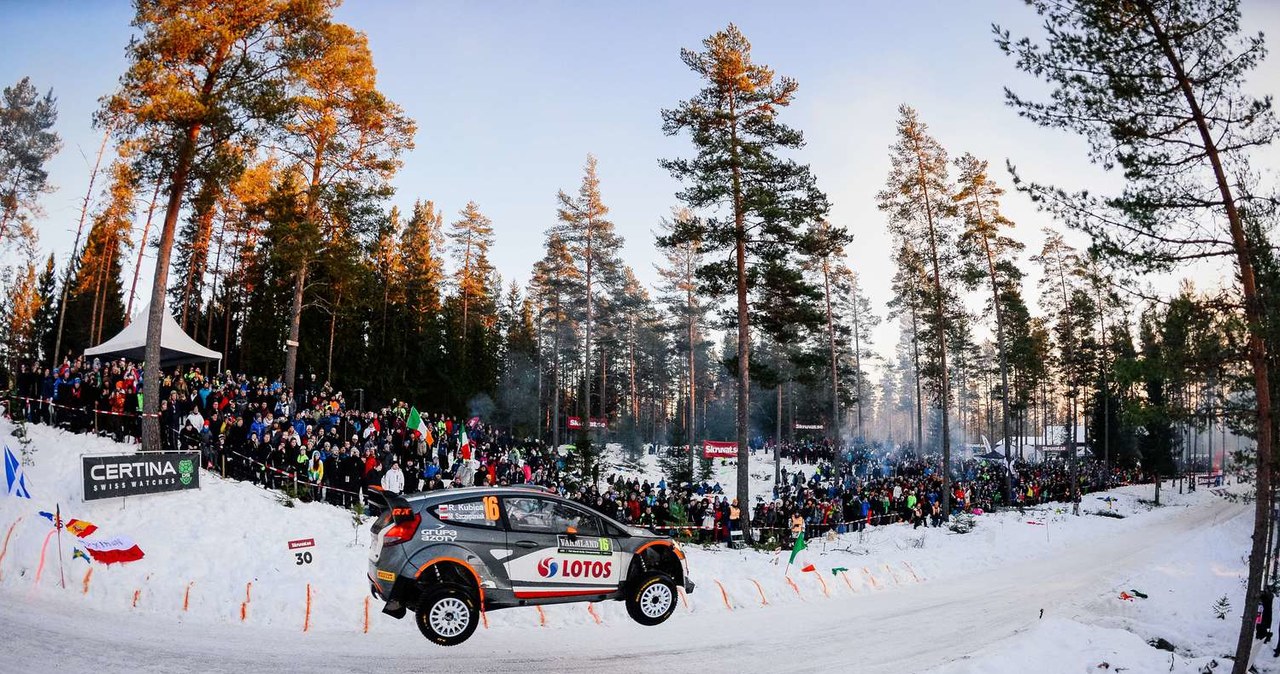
(81,528)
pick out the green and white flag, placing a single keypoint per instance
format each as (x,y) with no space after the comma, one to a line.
(416,424)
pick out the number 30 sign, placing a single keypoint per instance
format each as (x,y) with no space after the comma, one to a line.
(304,557)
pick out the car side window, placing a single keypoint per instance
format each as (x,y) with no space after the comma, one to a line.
(480,511)
(544,516)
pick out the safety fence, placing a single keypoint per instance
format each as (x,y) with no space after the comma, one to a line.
(320,489)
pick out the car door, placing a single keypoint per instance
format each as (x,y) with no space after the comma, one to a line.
(558,549)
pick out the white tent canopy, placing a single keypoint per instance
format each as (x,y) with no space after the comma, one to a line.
(176,347)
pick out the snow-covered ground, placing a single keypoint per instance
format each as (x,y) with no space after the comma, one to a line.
(907,600)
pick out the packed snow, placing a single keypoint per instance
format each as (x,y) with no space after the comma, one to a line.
(219,590)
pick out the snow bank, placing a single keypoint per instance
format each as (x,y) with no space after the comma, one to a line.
(221,550)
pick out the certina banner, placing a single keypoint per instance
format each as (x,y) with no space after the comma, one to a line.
(133,474)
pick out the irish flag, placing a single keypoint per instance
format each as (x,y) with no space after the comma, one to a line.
(416,423)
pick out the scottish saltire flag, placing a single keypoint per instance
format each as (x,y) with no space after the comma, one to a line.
(14,479)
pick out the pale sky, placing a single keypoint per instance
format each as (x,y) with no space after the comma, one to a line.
(510,97)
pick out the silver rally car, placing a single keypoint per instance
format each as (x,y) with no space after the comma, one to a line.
(448,555)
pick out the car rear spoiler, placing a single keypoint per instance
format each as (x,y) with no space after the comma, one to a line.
(396,504)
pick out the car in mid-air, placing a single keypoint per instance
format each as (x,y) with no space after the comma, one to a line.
(448,555)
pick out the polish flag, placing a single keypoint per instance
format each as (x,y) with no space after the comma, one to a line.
(113,550)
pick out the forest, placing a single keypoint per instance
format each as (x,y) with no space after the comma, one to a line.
(249,148)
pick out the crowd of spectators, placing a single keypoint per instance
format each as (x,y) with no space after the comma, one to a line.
(310,443)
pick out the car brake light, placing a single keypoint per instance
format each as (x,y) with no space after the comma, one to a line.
(402,531)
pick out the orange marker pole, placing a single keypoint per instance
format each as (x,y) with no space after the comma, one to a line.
(825,591)
(366,615)
(542,617)
(912,570)
(845,576)
(484,618)
(306,620)
(5,549)
(136,594)
(793,585)
(724,595)
(247,586)
(871,578)
(591,608)
(763,601)
(244,610)
(40,569)
(683,598)
(892,575)
(186,597)
(87,575)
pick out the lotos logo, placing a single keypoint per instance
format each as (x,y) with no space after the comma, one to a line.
(574,568)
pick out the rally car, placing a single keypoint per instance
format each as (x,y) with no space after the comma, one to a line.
(448,555)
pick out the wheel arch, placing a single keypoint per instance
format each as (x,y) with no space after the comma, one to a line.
(659,555)
(445,566)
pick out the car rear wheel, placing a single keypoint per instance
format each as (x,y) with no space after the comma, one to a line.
(653,599)
(448,614)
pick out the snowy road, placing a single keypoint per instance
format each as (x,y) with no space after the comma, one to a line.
(907,629)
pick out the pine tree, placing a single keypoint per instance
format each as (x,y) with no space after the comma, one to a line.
(989,254)
(679,292)
(917,198)
(738,172)
(22,306)
(909,283)
(95,301)
(554,284)
(856,309)
(469,240)
(1066,300)
(633,314)
(346,139)
(832,241)
(594,247)
(192,244)
(27,143)
(419,265)
(517,393)
(244,223)
(193,70)
(1152,413)
(47,316)
(1157,89)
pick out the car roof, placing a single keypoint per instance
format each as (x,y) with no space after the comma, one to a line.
(512,490)
(432,497)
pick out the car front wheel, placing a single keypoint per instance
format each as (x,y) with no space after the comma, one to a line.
(448,615)
(653,599)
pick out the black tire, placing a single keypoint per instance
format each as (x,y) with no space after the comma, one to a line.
(456,614)
(652,599)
